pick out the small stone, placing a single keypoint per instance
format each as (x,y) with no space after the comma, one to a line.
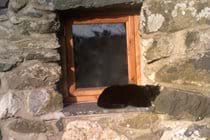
(198,130)
(4,34)
(28,126)
(160,49)
(31,12)
(16,5)
(3,17)
(37,100)
(10,105)
(59,125)
(44,5)
(155,21)
(4,67)
(43,101)
(15,20)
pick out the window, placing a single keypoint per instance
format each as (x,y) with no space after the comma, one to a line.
(102,50)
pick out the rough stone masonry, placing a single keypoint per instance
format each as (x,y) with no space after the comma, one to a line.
(175,46)
(29,69)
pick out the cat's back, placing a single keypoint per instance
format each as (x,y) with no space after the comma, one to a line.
(110,96)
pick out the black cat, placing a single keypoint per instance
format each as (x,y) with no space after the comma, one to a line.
(122,96)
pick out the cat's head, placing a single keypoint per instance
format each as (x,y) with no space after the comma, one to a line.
(152,91)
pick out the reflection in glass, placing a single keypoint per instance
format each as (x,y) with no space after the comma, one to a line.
(100,55)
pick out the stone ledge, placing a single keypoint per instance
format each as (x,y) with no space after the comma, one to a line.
(74,4)
(127,126)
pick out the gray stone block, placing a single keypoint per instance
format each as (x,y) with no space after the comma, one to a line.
(16,5)
(174,15)
(43,101)
(6,67)
(72,4)
(3,11)
(179,103)
(3,3)
(33,74)
(10,105)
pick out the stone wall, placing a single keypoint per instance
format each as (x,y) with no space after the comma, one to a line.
(175,46)
(29,69)
(176,43)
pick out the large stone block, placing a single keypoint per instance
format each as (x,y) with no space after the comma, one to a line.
(46,24)
(172,16)
(32,74)
(191,67)
(30,103)
(12,53)
(160,49)
(72,4)
(188,73)
(89,130)
(26,129)
(179,102)
(197,42)
(180,58)
(9,59)
(37,41)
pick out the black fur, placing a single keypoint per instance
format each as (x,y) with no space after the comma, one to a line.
(122,96)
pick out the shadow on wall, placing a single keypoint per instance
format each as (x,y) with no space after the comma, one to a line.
(133,95)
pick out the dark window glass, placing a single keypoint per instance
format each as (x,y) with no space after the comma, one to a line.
(100,55)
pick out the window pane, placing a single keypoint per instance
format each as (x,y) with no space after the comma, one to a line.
(100,55)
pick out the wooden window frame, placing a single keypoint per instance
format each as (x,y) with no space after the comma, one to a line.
(131,21)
